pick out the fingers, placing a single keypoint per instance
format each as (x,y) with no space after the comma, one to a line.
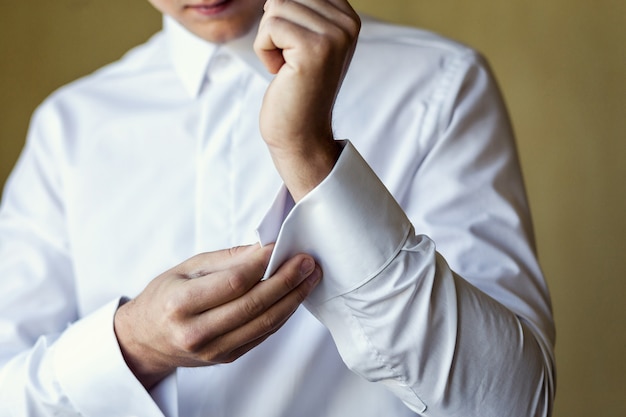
(231,345)
(212,279)
(265,307)
(315,15)
(288,23)
(338,11)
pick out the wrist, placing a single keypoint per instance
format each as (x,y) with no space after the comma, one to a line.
(139,360)
(305,168)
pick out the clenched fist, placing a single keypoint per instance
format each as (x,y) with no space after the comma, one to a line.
(308,44)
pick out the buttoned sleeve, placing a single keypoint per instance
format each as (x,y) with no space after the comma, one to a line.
(464,329)
(53,359)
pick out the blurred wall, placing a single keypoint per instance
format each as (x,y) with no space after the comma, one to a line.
(562,68)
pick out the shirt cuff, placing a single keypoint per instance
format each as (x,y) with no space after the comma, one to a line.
(349,223)
(90,368)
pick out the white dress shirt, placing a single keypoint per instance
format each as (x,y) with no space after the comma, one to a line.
(432,301)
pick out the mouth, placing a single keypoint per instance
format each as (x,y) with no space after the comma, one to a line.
(209,9)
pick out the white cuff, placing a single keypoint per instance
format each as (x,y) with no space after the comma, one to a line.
(350,223)
(89,366)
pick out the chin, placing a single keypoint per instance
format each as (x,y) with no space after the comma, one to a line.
(222,37)
(222,32)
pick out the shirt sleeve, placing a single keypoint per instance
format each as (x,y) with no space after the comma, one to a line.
(47,348)
(477,341)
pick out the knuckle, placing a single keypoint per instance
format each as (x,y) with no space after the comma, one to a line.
(187,338)
(350,25)
(237,282)
(320,44)
(291,280)
(193,267)
(333,43)
(252,306)
(269,323)
(347,40)
(273,20)
(218,353)
(174,306)
(354,24)
(236,250)
(301,293)
(341,32)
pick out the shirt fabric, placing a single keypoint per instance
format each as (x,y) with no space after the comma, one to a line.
(432,301)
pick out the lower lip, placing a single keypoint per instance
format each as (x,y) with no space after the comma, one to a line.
(211,10)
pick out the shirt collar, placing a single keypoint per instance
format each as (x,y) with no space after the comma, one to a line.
(191,55)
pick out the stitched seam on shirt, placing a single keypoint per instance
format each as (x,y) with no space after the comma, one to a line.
(450,78)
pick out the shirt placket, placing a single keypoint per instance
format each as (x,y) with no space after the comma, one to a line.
(215,187)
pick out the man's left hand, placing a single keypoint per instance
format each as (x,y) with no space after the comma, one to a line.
(308,44)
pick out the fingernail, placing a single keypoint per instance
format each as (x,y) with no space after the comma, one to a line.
(306,267)
(316,275)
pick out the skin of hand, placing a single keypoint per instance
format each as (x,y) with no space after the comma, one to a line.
(210,309)
(308,44)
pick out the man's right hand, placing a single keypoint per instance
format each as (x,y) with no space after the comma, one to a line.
(210,309)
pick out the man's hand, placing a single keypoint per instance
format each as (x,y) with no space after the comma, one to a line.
(210,309)
(308,44)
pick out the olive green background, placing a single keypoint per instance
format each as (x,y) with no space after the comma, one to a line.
(562,68)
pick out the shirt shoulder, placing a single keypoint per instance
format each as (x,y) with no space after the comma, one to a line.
(144,77)
(394,63)
(404,55)
(137,64)
(103,99)
(383,35)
